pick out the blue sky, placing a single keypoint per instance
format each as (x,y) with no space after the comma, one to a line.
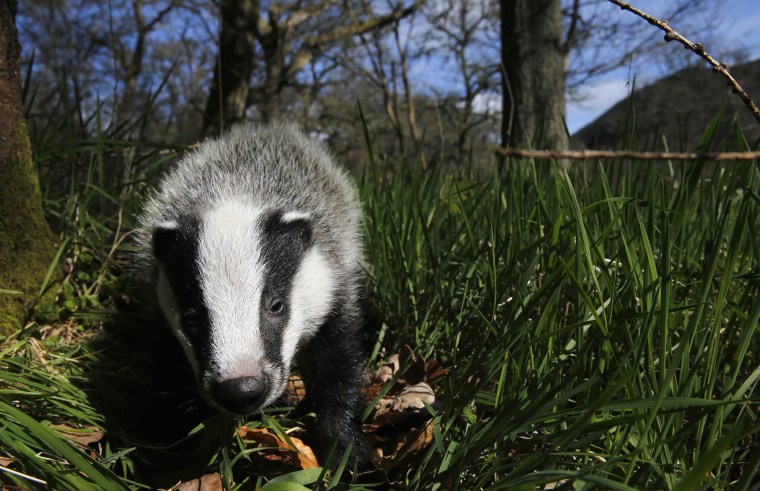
(729,24)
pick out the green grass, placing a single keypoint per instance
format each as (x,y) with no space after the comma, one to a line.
(600,325)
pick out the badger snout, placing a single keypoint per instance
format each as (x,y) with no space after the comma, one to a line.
(241,395)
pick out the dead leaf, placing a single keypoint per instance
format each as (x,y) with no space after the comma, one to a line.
(83,437)
(434,372)
(412,444)
(414,397)
(394,362)
(411,366)
(383,374)
(295,390)
(405,447)
(401,428)
(407,406)
(209,482)
(279,449)
(6,461)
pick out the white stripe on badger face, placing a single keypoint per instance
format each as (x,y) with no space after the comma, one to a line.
(232,279)
(167,224)
(292,216)
(311,299)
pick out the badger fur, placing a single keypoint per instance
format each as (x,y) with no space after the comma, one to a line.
(253,245)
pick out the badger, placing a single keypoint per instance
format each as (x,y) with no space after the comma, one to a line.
(252,243)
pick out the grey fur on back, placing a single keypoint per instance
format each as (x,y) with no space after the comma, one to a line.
(272,167)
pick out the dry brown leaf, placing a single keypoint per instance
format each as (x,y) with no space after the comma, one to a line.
(415,373)
(414,397)
(67,331)
(405,447)
(295,390)
(383,374)
(285,452)
(412,444)
(6,461)
(209,482)
(434,372)
(407,405)
(81,436)
(394,362)
(401,427)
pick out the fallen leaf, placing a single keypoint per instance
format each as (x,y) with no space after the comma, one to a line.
(83,437)
(295,390)
(6,461)
(400,428)
(209,482)
(412,444)
(280,449)
(434,372)
(404,448)
(411,366)
(407,406)
(383,374)
(414,397)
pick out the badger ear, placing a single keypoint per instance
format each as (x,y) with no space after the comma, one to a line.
(174,241)
(166,237)
(293,226)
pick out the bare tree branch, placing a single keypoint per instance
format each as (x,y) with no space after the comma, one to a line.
(366,26)
(624,155)
(672,35)
(575,17)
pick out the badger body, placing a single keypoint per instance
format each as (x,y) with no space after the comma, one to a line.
(253,245)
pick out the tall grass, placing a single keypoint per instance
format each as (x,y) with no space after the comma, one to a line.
(600,324)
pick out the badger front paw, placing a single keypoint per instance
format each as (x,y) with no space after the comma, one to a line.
(340,433)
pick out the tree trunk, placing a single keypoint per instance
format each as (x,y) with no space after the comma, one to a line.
(235,62)
(533,79)
(26,242)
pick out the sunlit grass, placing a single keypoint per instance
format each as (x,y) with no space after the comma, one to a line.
(600,325)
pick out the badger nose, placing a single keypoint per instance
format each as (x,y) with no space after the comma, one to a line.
(241,395)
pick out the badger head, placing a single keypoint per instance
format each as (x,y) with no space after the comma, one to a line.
(242,287)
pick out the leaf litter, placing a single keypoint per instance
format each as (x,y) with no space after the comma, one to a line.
(399,428)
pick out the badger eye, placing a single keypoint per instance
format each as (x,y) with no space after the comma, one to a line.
(276,307)
(191,319)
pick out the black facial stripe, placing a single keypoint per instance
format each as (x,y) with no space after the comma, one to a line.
(177,251)
(283,247)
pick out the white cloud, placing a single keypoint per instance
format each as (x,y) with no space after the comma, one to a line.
(596,99)
(486,102)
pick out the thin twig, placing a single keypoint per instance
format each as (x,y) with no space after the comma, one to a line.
(722,68)
(22,475)
(624,154)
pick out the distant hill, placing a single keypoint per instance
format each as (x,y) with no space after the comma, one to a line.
(680,106)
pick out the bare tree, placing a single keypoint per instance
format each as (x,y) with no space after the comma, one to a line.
(115,56)
(132,60)
(464,32)
(288,38)
(384,64)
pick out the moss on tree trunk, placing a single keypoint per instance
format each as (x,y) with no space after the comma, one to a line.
(26,242)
